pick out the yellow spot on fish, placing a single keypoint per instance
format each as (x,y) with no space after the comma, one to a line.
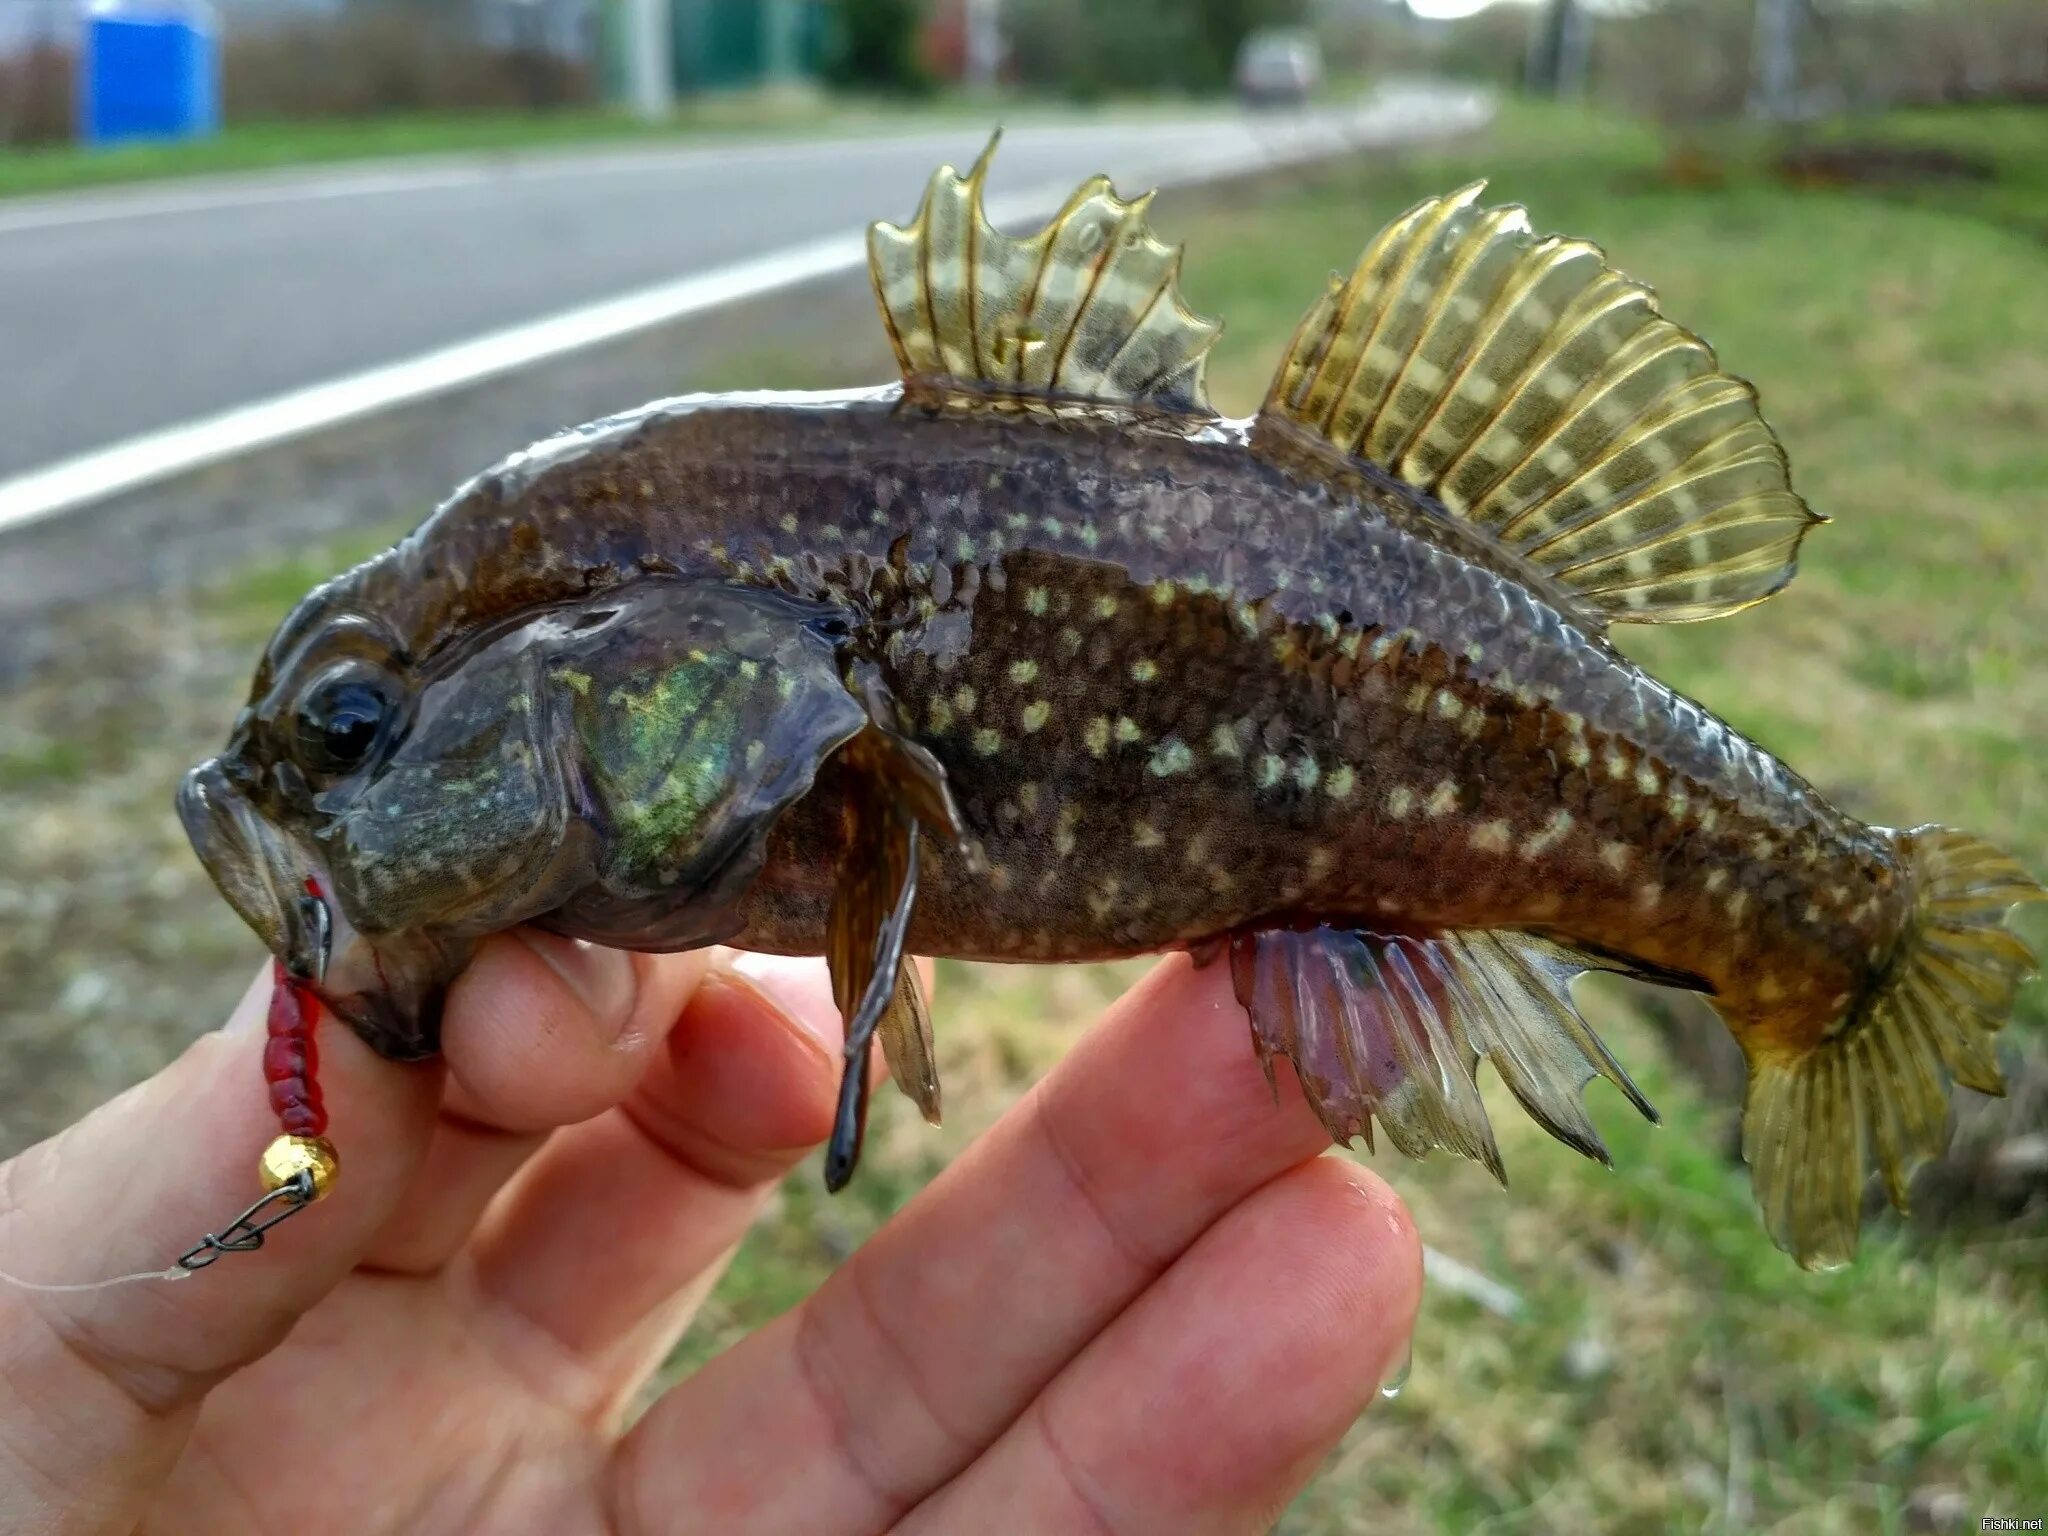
(1677,804)
(1172,756)
(1737,902)
(1579,753)
(1027,797)
(1647,780)
(1340,783)
(750,670)
(1145,835)
(1615,856)
(1063,834)
(1537,842)
(1418,698)
(1490,837)
(1716,878)
(1163,592)
(1036,713)
(1105,607)
(1442,799)
(1616,764)
(1224,743)
(1270,769)
(964,698)
(1127,729)
(1761,847)
(755,752)
(1447,704)
(1144,671)
(1197,851)
(1812,913)
(1023,671)
(580,681)
(1649,893)
(1096,737)
(1400,801)
(987,742)
(1034,602)
(1307,772)
(1070,639)
(941,715)
(1710,817)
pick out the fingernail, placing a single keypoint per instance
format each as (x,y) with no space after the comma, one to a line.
(801,988)
(604,980)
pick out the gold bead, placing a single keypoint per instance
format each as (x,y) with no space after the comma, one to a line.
(289,1156)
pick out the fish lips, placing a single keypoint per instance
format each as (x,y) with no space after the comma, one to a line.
(389,991)
(262,873)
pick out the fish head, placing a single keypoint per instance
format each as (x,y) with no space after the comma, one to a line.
(370,818)
(610,767)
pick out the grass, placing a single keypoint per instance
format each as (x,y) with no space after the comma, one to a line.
(280,145)
(263,146)
(1670,1370)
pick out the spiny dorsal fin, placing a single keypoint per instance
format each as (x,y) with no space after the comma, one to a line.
(1086,310)
(1539,395)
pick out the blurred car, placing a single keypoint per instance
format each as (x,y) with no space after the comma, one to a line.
(1280,67)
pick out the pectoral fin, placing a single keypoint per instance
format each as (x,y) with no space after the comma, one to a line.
(894,787)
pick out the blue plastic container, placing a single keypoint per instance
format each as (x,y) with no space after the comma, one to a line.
(148,74)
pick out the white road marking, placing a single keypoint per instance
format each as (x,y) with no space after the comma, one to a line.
(90,477)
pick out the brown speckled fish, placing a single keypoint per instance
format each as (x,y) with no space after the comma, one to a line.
(1033,657)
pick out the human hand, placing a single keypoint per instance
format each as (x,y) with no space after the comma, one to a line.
(1139,1303)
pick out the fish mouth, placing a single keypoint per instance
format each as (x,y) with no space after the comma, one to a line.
(390,990)
(270,882)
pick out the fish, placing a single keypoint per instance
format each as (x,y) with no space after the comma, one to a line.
(1031,655)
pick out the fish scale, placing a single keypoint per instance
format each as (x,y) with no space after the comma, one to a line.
(1031,656)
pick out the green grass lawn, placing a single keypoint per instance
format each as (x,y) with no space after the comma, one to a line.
(281,145)
(1670,1370)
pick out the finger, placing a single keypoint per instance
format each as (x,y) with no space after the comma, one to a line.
(1268,1338)
(106,1382)
(663,1188)
(938,1332)
(539,1031)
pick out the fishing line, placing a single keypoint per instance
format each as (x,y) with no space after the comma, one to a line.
(298,1167)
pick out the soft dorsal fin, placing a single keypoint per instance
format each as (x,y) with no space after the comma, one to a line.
(1087,310)
(1538,394)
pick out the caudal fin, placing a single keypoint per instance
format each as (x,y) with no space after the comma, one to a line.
(1876,1089)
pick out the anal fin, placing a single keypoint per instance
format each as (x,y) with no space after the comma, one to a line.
(1391,1027)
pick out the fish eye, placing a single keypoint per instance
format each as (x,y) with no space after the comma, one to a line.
(341,720)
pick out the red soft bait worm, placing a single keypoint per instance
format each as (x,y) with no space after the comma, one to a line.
(291,1061)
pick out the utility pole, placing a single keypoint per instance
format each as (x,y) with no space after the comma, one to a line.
(984,28)
(649,63)
(1774,61)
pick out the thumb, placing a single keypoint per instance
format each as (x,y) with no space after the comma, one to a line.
(99,1388)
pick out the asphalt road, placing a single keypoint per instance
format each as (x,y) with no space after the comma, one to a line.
(126,312)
